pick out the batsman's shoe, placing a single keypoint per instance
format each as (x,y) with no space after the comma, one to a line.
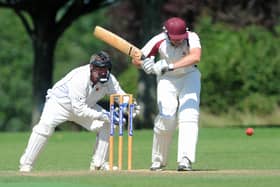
(156,166)
(25,168)
(185,165)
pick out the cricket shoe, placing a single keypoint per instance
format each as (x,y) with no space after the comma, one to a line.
(156,166)
(184,165)
(25,168)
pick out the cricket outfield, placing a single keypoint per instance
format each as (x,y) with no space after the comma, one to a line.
(225,157)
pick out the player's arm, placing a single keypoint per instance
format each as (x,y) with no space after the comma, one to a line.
(150,50)
(194,53)
(192,58)
(78,95)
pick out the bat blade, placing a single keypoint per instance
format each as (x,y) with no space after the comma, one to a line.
(118,42)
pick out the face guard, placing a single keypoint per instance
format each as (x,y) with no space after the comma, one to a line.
(101,75)
(100,67)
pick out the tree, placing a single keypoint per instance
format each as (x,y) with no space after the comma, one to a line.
(45,22)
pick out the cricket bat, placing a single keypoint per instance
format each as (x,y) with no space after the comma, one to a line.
(118,42)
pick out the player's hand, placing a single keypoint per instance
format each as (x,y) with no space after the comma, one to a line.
(105,116)
(137,63)
(116,118)
(148,64)
(160,67)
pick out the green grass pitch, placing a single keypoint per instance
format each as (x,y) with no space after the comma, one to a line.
(225,157)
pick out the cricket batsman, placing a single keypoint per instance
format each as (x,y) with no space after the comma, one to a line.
(178,91)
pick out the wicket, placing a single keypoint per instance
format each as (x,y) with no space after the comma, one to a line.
(120,99)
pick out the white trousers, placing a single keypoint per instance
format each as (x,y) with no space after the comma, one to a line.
(178,104)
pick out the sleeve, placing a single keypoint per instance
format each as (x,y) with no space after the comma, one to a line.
(114,86)
(78,88)
(194,40)
(152,46)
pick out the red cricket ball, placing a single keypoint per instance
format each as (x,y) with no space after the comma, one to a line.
(249,131)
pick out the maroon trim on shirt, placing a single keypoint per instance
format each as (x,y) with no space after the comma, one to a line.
(154,50)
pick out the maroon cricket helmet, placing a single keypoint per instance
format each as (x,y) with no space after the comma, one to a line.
(176,28)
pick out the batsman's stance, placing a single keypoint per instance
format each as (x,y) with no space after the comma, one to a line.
(74,98)
(178,91)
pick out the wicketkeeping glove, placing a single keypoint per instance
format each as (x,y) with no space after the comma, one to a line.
(116,118)
(106,117)
(136,109)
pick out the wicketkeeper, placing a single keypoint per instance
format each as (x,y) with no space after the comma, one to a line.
(74,98)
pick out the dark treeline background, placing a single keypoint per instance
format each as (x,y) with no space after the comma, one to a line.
(240,60)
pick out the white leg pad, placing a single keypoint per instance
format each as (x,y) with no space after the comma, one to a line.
(160,149)
(187,140)
(34,147)
(37,141)
(163,130)
(101,148)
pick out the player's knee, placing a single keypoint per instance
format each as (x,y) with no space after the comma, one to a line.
(43,129)
(188,115)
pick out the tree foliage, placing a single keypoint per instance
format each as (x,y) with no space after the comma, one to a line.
(240,60)
(240,70)
(45,22)
(16,74)
(246,12)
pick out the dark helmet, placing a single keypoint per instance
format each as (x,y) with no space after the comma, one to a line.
(176,28)
(101,60)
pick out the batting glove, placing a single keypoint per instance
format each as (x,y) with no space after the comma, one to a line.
(161,67)
(148,64)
